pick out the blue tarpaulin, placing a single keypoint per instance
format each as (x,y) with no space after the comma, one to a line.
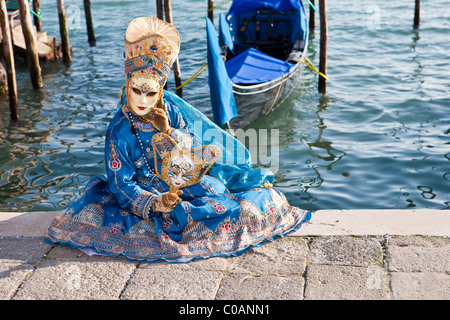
(220,86)
(280,18)
(253,66)
(241,6)
(225,37)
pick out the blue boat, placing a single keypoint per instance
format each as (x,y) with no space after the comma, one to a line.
(253,61)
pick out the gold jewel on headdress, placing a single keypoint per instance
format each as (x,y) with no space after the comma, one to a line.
(151,47)
(195,162)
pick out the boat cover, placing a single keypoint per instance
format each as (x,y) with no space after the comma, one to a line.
(253,66)
(292,11)
(220,86)
(225,37)
(241,6)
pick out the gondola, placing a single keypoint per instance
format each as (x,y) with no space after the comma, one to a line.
(254,60)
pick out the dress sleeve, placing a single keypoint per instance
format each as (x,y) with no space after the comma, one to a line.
(121,174)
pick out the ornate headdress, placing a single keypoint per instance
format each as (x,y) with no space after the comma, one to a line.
(151,47)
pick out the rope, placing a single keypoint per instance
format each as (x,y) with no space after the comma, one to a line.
(312,6)
(219,5)
(14,5)
(276,98)
(195,75)
(205,66)
(39,15)
(309,64)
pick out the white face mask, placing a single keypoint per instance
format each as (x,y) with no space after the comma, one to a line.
(181,170)
(144,94)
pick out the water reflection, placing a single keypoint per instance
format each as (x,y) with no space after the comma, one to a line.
(380,141)
(47,157)
(417,73)
(303,151)
(322,150)
(21,148)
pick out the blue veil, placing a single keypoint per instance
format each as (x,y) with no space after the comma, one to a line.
(234,167)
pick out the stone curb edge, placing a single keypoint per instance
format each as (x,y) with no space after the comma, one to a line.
(426,222)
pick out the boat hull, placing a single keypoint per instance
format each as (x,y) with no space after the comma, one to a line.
(254,101)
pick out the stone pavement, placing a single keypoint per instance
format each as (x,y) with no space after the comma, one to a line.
(311,264)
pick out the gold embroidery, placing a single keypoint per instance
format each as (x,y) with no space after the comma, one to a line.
(216,206)
(143,229)
(195,231)
(91,215)
(140,242)
(142,203)
(115,155)
(250,214)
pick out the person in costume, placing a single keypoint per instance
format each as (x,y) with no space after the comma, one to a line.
(177,187)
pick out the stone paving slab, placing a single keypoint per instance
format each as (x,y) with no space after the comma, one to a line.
(23,249)
(283,257)
(27,224)
(69,280)
(420,286)
(311,267)
(419,254)
(344,250)
(249,287)
(11,276)
(197,280)
(325,282)
(346,267)
(149,283)
(419,267)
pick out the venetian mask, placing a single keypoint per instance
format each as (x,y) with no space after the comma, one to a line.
(143,94)
(180,170)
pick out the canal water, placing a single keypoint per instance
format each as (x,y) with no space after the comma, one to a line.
(379,138)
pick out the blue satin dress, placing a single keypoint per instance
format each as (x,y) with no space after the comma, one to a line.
(224,214)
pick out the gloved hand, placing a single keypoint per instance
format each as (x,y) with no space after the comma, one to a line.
(159,118)
(166,201)
(267,185)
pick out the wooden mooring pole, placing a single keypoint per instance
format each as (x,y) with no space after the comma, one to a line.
(37,9)
(323,45)
(176,64)
(64,31)
(30,43)
(8,55)
(159,9)
(165,9)
(210,10)
(89,24)
(312,17)
(417,14)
